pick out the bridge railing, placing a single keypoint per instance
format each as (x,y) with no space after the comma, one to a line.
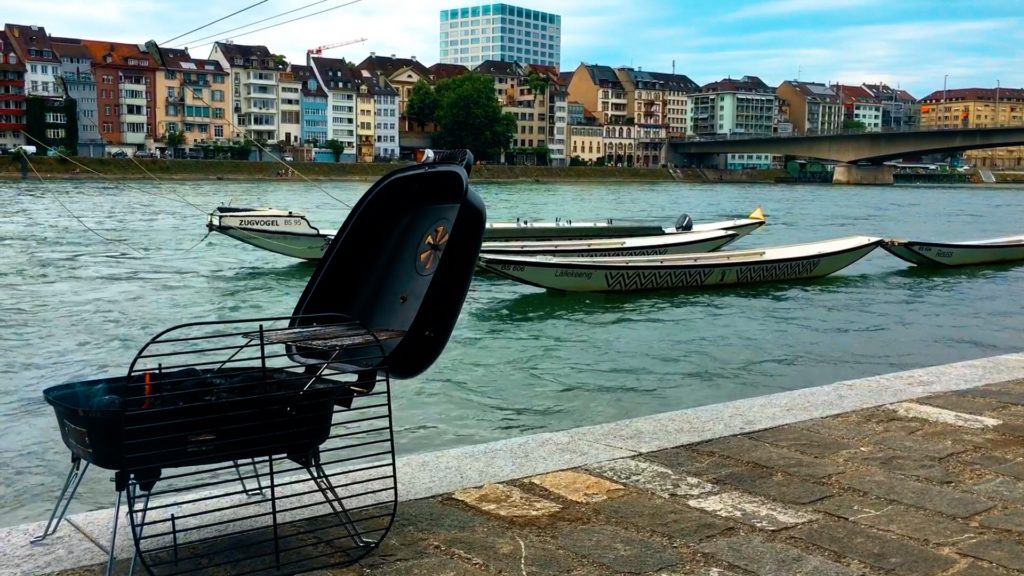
(839,132)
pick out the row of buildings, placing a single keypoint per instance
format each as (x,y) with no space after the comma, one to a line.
(100,96)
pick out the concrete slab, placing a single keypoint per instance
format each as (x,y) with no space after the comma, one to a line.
(652,477)
(653,513)
(64,550)
(506,501)
(934,414)
(997,550)
(578,487)
(942,500)
(769,559)
(876,549)
(753,510)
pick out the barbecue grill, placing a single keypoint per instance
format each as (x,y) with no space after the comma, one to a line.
(265,445)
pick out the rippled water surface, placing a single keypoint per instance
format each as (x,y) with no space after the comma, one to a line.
(521,360)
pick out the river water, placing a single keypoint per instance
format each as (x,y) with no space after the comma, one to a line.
(521,360)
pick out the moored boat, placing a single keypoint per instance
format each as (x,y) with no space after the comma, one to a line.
(290,233)
(663,245)
(774,264)
(942,254)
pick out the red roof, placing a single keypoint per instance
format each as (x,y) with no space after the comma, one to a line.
(118,53)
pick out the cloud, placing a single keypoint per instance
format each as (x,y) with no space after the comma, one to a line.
(787,7)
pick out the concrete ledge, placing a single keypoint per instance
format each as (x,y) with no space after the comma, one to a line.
(432,474)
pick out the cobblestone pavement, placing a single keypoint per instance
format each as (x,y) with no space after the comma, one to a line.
(930,487)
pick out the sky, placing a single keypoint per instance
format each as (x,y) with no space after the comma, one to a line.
(917,45)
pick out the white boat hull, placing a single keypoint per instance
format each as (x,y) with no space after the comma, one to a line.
(290,233)
(280,231)
(663,245)
(797,262)
(942,254)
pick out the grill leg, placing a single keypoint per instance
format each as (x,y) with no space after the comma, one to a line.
(142,523)
(75,475)
(113,535)
(323,483)
(256,473)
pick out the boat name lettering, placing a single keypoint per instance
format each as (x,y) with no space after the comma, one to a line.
(780,271)
(512,268)
(256,222)
(634,280)
(587,274)
(944,253)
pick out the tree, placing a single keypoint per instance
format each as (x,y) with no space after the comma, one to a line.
(280,62)
(174,140)
(337,147)
(469,116)
(422,105)
(851,125)
(538,84)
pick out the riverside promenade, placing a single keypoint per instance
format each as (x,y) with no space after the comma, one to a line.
(918,472)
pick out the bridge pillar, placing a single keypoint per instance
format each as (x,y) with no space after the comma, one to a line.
(854,174)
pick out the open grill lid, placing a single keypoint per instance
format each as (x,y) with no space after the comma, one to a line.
(401,265)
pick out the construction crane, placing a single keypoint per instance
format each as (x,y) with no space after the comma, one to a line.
(319,50)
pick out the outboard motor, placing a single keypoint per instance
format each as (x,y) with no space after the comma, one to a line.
(684,223)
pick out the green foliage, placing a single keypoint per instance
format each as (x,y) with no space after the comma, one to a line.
(851,125)
(280,62)
(537,83)
(469,116)
(422,105)
(337,147)
(577,161)
(241,150)
(174,139)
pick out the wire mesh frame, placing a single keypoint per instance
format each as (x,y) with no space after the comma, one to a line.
(243,458)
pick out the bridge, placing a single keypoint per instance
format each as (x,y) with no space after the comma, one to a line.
(861,155)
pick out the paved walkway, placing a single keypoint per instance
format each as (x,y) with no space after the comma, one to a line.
(931,486)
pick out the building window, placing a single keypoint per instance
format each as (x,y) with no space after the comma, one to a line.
(218,130)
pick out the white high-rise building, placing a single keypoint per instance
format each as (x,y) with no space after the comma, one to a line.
(500,32)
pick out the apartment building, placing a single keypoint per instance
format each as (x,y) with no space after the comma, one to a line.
(42,67)
(192,98)
(365,116)
(472,35)
(125,82)
(978,108)
(12,95)
(76,81)
(674,90)
(290,133)
(586,142)
(253,75)
(812,108)
(314,106)
(860,105)
(558,114)
(897,106)
(335,75)
(732,107)
(385,114)
(402,74)
(599,89)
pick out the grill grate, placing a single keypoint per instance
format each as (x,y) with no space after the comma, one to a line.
(238,451)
